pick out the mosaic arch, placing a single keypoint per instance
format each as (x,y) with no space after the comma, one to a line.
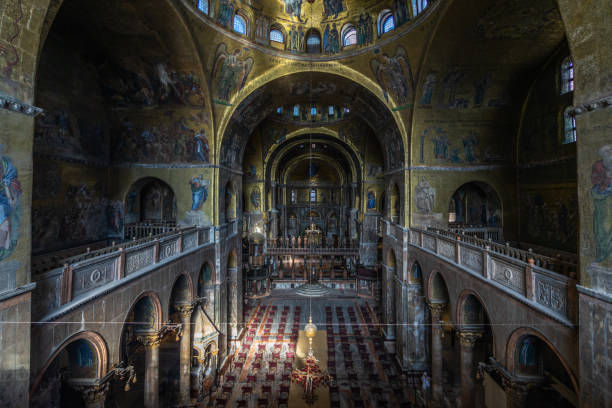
(299,88)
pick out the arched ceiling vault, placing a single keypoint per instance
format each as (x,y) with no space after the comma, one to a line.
(135,36)
(307,88)
(334,150)
(505,42)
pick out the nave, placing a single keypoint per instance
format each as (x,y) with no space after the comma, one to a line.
(363,373)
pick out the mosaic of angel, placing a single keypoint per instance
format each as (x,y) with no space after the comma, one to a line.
(230,72)
(394,75)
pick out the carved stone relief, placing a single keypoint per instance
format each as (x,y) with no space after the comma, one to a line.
(509,276)
(550,295)
(446,249)
(90,277)
(138,260)
(429,243)
(168,249)
(472,259)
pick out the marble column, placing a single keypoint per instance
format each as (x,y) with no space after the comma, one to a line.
(185,354)
(151,381)
(437,375)
(93,392)
(467,340)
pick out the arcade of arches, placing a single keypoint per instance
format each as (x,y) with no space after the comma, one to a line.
(187,182)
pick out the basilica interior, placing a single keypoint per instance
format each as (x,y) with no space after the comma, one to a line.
(324,203)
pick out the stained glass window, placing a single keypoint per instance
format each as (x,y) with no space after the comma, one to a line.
(203,6)
(418,6)
(240,25)
(296,110)
(567,76)
(350,37)
(277,36)
(388,23)
(330,111)
(279,110)
(569,122)
(313,111)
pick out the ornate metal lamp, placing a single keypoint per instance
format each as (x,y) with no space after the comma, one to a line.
(311,376)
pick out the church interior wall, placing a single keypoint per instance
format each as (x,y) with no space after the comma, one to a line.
(469,113)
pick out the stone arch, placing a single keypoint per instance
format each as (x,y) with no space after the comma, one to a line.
(472,314)
(414,274)
(512,348)
(437,289)
(158,312)
(182,290)
(475,203)
(98,346)
(230,129)
(149,199)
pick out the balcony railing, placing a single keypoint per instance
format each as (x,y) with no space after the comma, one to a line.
(301,246)
(145,229)
(546,282)
(82,274)
(479,231)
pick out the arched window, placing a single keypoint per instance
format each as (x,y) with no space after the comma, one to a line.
(277,36)
(313,111)
(567,76)
(296,111)
(293,196)
(279,110)
(203,6)
(330,111)
(313,195)
(347,110)
(349,35)
(313,41)
(569,125)
(418,6)
(385,22)
(240,24)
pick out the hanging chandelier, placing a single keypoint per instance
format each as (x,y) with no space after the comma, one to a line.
(311,376)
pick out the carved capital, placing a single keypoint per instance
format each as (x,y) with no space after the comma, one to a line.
(468,338)
(92,392)
(150,341)
(184,311)
(436,310)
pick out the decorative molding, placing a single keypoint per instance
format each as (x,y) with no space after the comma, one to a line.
(15,105)
(468,338)
(591,106)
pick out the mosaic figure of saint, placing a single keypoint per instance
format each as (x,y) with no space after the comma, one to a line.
(601,178)
(10,206)
(199,192)
(230,72)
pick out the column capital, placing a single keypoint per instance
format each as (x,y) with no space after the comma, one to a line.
(93,391)
(184,310)
(436,308)
(149,340)
(468,338)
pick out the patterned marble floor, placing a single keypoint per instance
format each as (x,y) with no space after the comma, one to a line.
(364,374)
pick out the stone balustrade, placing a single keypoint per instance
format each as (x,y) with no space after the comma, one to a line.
(82,275)
(534,278)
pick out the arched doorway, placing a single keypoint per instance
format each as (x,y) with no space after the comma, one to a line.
(81,358)
(475,208)
(475,345)
(535,362)
(150,208)
(443,356)
(140,349)
(175,352)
